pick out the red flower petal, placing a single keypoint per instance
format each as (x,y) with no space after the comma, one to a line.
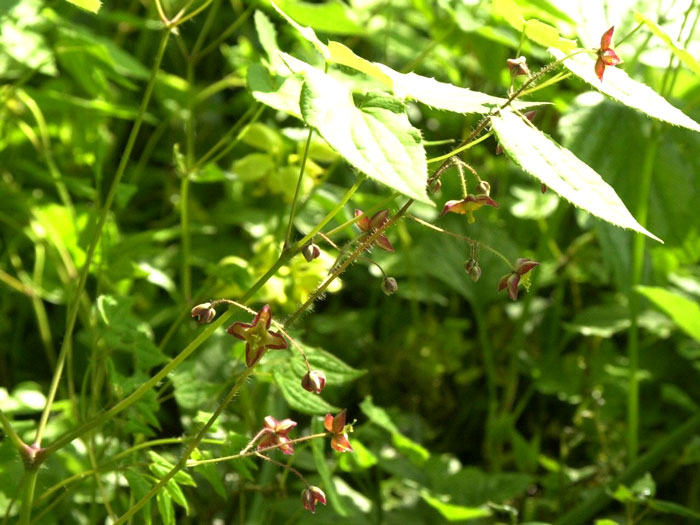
(609,58)
(512,284)
(328,423)
(606,39)
(363,223)
(239,330)
(599,68)
(383,242)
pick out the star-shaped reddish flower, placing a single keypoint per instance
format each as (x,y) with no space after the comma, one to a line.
(511,280)
(258,336)
(606,54)
(336,426)
(275,434)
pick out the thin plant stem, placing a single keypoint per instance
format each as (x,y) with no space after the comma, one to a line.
(460,149)
(247,452)
(28,487)
(226,33)
(10,431)
(288,235)
(75,301)
(643,190)
(462,238)
(182,462)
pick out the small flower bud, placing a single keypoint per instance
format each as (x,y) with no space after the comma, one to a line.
(473,269)
(204,313)
(484,188)
(543,188)
(518,66)
(389,286)
(310,496)
(314,381)
(434,185)
(310,252)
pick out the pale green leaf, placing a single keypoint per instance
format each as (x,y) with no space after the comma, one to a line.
(374,136)
(684,312)
(453,512)
(280,93)
(165,507)
(332,16)
(562,171)
(677,49)
(422,89)
(619,85)
(88,5)
(510,12)
(304,31)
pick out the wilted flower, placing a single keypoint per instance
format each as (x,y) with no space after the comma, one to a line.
(336,426)
(512,280)
(310,252)
(204,313)
(389,286)
(606,54)
(518,66)
(372,224)
(468,205)
(275,433)
(314,381)
(258,336)
(310,496)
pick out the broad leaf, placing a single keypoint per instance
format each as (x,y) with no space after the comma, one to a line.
(88,5)
(280,93)
(452,512)
(684,312)
(298,398)
(337,371)
(677,49)
(619,85)
(374,136)
(422,89)
(333,16)
(562,171)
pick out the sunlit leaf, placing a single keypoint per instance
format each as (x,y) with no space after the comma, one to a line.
(684,312)
(88,5)
(619,85)
(676,48)
(374,134)
(453,512)
(562,171)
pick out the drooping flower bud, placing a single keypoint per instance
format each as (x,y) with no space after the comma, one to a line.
(310,252)
(310,496)
(471,266)
(484,188)
(204,313)
(389,286)
(314,381)
(434,185)
(518,66)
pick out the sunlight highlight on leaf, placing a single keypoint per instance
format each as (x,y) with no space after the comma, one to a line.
(562,171)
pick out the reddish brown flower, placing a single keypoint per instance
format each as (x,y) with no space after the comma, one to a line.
(511,280)
(314,381)
(258,336)
(518,67)
(606,54)
(275,433)
(310,496)
(372,224)
(468,205)
(336,426)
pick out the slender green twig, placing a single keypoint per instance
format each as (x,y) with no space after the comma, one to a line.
(300,180)
(182,462)
(75,301)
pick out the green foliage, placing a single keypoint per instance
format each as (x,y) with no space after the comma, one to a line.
(150,161)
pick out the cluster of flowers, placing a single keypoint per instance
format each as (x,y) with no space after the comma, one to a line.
(259,338)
